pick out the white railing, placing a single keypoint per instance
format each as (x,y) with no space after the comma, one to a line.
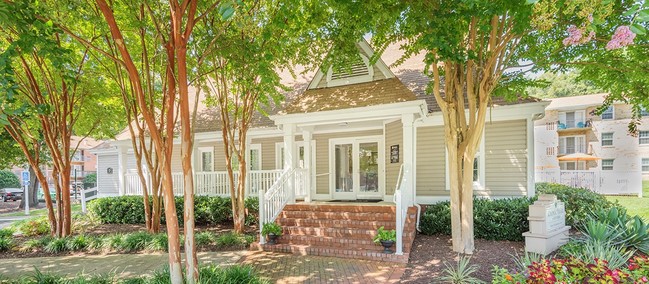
(300,183)
(212,183)
(272,203)
(604,182)
(401,206)
(87,195)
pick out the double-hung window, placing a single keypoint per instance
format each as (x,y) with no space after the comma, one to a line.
(607,164)
(644,137)
(645,164)
(609,113)
(607,139)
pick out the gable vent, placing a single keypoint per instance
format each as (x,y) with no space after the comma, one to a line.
(357,69)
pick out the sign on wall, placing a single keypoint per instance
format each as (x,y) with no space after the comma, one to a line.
(394,154)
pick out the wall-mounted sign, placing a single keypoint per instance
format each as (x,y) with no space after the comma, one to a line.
(109,171)
(394,154)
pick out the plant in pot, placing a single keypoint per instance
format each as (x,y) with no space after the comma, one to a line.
(272,231)
(386,238)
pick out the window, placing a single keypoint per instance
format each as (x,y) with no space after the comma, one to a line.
(607,139)
(207,159)
(572,144)
(644,112)
(645,164)
(608,113)
(255,157)
(279,155)
(476,170)
(607,164)
(572,166)
(572,119)
(644,137)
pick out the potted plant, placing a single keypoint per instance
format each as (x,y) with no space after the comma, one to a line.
(272,231)
(385,238)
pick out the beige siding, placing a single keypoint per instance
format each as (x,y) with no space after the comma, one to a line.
(268,151)
(506,158)
(322,155)
(393,136)
(176,159)
(108,183)
(431,161)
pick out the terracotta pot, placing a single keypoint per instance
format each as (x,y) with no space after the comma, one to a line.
(272,239)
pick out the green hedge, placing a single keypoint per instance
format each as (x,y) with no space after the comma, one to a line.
(579,202)
(501,219)
(8,179)
(130,210)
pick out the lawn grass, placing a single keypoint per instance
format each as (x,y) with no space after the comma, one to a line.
(38,212)
(635,205)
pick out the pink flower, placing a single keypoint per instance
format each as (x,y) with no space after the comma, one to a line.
(574,36)
(622,37)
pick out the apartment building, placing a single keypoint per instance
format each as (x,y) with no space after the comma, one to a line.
(576,146)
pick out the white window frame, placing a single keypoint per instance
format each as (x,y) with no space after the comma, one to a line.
(644,112)
(579,165)
(249,156)
(611,139)
(279,151)
(644,162)
(201,151)
(606,167)
(640,137)
(480,155)
(579,116)
(565,138)
(610,109)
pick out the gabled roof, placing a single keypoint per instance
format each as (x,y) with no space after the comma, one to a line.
(577,102)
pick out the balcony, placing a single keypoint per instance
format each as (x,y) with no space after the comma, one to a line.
(568,125)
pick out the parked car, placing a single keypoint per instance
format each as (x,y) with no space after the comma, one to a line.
(12,194)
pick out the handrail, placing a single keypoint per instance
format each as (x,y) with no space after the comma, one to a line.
(272,202)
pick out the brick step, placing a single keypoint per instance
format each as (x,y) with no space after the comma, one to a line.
(349,224)
(375,254)
(333,232)
(333,242)
(359,216)
(341,208)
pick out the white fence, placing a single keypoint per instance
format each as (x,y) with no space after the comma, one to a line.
(215,183)
(604,182)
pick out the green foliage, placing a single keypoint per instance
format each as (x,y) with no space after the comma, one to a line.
(208,275)
(232,239)
(252,210)
(35,244)
(6,232)
(34,227)
(500,275)
(563,85)
(385,235)
(613,226)
(209,210)
(78,243)
(159,242)
(500,219)
(204,239)
(592,251)
(9,179)
(135,241)
(462,273)
(57,245)
(271,228)
(6,243)
(578,201)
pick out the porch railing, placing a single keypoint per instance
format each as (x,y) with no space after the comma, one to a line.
(604,182)
(401,207)
(209,183)
(271,203)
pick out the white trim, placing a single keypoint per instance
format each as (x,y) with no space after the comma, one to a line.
(612,107)
(261,155)
(355,142)
(531,155)
(351,80)
(201,151)
(497,113)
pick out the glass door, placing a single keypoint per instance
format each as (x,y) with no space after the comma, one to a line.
(356,167)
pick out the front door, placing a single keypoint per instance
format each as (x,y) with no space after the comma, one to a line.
(357,168)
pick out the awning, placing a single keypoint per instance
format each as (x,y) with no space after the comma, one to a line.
(579,157)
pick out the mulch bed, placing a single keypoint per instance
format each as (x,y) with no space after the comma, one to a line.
(109,229)
(9,206)
(431,252)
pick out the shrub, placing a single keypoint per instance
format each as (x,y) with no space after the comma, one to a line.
(33,244)
(203,239)
(57,245)
(114,242)
(252,210)
(579,201)
(209,210)
(77,243)
(231,239)
(34,227)
(271,228)
(6,243)
(159,242)
(6,233)
(135,241)
(8,179)
(615,226)
(500,219)
(462,273)
(384,235)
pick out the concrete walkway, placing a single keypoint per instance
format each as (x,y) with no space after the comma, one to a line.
(280,268)
(119,265)
(7,221)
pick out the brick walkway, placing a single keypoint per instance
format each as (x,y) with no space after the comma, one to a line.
(288,268)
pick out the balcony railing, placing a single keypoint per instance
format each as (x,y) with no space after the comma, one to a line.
(572,124)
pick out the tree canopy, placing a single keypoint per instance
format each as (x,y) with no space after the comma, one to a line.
(558,85)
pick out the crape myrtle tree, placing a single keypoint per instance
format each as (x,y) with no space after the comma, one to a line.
(262,38)
(47,95)
(12,155)
(471,50)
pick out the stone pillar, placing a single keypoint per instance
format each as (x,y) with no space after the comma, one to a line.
(290,157)
(548,230)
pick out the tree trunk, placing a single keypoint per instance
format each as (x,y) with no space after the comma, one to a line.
(173,232)
(239,210)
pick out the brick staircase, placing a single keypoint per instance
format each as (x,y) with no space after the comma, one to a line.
(339,230)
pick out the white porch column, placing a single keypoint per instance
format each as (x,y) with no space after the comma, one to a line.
(531,186)
(407,153)
(307,136)
(121,164)
(290,157)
